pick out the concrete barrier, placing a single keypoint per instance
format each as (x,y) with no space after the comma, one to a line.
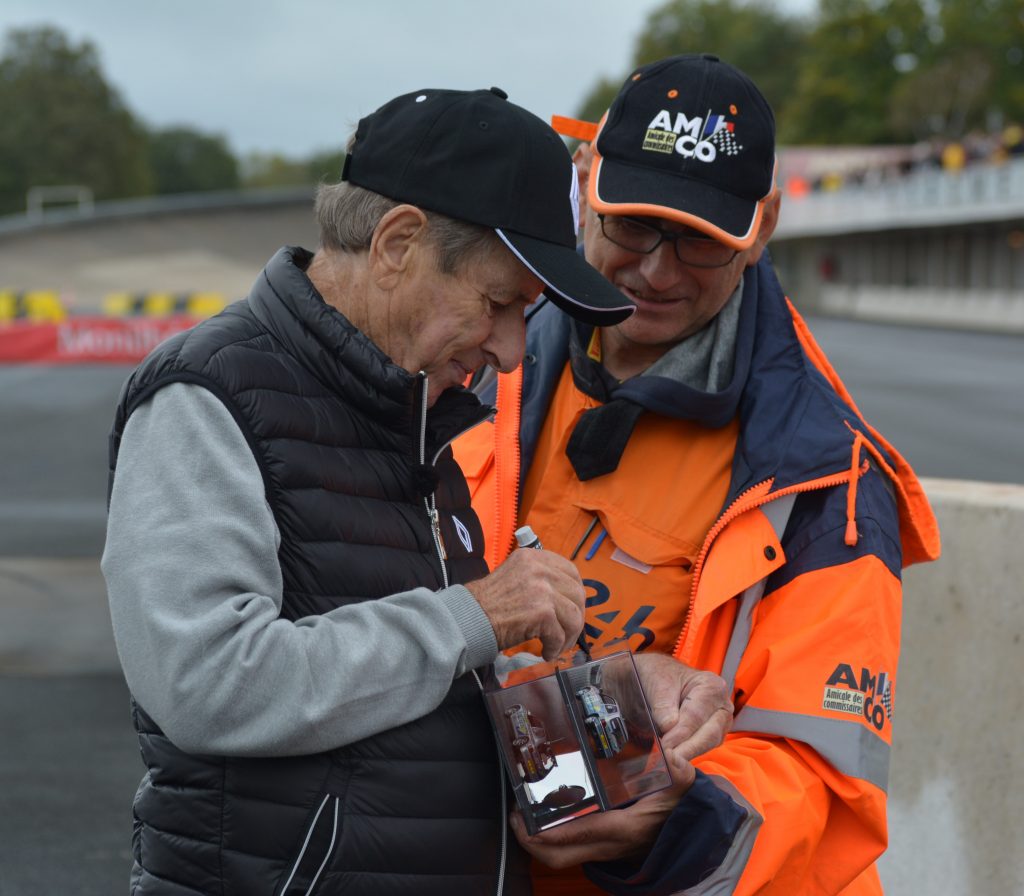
(955,810)
(992,310)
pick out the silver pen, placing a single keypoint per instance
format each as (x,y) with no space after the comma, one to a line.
(527,538)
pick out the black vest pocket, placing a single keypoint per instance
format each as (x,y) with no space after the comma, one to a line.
(306,870)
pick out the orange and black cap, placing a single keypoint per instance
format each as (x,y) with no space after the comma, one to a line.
(476,157)
(691,139)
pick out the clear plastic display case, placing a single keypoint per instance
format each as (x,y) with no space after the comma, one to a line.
(576,738)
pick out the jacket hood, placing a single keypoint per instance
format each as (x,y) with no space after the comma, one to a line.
(798,421)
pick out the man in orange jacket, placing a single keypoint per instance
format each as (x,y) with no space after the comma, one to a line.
(723,499)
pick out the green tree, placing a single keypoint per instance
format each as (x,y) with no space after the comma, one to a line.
(853,62)
(62,123)
(274,170)
(184,160)
(942,99)
(751,35)
(598,99)
(325,166)
(861,71)
(970,73)
(995,29)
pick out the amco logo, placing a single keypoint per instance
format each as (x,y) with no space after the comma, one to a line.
(869,696)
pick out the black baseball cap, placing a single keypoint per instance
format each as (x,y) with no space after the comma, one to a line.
(476,157)
(688,138)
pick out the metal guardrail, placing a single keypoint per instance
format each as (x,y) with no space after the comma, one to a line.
(37,197)
(145,206)
(928,197)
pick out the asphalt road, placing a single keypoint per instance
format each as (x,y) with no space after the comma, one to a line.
(952,402)
(68,769)
(69,765)
(53,457)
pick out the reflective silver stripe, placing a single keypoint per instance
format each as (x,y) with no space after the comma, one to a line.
(777,512)
(852,748)
(741,631)
(727,875)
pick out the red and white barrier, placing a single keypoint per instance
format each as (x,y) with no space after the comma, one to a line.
(85,340)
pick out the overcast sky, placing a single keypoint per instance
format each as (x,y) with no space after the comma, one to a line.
(294,77)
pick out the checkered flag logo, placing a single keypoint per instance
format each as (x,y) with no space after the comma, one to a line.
(726,141)
(887,699)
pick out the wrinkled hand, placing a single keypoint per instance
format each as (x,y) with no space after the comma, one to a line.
(691,708)
(533,594)
(605,836)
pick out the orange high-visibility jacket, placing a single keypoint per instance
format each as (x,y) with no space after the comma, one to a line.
(795,600)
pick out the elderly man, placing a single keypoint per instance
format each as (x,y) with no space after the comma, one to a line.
(296,576)
(724,501)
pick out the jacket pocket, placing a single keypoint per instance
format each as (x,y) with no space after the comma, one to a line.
(637,578)
(319,841)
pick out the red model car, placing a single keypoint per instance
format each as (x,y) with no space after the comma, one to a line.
(530,744)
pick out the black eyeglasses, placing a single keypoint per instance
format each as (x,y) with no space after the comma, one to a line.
(639,236)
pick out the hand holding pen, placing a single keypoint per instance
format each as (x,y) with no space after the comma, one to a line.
(527,538)
(533,594)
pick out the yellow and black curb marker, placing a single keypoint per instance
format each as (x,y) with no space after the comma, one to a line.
(163,304)
(46,305)
(38,305)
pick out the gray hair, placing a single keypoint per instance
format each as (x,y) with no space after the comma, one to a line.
(348,216)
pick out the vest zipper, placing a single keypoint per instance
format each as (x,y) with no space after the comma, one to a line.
(736,508)
(435,527)
(429,501)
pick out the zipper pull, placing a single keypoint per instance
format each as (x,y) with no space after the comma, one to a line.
(435,523)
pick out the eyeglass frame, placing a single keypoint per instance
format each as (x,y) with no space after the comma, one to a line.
(665,236)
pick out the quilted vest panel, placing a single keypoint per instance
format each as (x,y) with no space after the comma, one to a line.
(335,433)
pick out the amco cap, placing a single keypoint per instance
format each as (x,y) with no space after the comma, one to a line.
(476,157)
(689,138)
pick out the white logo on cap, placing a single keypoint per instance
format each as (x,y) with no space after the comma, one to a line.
(695,137)
(574,199)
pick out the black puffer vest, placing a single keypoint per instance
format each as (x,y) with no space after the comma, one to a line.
(336,430)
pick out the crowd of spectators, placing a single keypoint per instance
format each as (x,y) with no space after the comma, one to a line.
(808,170)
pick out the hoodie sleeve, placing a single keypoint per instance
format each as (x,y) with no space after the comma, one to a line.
(195,592)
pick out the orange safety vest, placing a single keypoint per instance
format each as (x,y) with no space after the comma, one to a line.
(811,658)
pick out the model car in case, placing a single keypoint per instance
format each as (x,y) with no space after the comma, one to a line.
(530,744)
(604,722)
(576,737)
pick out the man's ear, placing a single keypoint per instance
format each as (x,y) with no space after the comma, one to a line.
(396,240)
(583,157)
(769,220)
